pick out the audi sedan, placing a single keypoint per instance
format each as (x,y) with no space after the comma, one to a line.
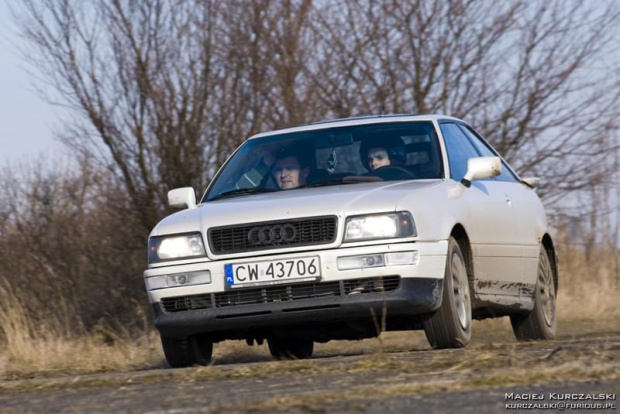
(342,229)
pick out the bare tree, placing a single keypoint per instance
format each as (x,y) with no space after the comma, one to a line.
(267,46)
(64,246)
(162,92)
(527,75)
(166,90)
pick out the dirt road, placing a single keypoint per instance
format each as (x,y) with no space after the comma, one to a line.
(393,376)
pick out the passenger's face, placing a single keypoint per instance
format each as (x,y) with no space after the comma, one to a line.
(378,157)
(289,174)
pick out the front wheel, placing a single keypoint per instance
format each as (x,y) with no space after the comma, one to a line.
(193,350)
(541,321)
(450,325)
(287,348)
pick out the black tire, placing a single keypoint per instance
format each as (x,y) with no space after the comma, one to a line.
(193,350)
(541,322)
(286,348)
(450,325)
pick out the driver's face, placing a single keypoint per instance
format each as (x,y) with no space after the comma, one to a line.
(288,173)
(378,157)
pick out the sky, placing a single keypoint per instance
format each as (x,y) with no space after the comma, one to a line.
(27,121)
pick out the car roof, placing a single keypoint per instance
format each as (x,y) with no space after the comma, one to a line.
(360,120)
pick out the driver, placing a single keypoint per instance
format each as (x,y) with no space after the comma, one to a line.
(290,170)
(378,157)
(380,152)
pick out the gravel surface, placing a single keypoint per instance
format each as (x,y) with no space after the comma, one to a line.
(463,380)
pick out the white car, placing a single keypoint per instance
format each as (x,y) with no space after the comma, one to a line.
(344,229)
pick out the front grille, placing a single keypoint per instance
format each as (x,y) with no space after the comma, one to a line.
(276,294)
(268,294)
(376,284)
(185,303)
(273,234)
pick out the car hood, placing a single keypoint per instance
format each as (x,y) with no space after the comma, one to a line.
(340,200)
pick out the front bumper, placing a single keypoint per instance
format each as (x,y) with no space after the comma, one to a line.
(400,307)
(418,293)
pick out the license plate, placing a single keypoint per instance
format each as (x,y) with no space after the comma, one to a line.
(272,272)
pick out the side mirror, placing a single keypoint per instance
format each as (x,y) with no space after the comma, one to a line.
(532,182)
(182,198)
(481,167)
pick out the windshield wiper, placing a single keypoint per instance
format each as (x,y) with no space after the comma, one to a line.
(351,179)
(241,191)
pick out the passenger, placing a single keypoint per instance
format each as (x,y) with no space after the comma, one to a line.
(290,170)
(376,153)
(378,157)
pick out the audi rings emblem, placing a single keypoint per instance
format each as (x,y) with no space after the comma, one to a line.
(265,235)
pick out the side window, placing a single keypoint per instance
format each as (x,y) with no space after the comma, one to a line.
(459,150)
(483,149)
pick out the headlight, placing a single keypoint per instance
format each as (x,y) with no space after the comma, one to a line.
(175,247)
(380,226)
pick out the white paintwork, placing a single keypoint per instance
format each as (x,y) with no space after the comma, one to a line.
(184,197)
(483,167)
(505,223)
(431,264)
(493,233)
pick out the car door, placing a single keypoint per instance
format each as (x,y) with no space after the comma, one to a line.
(493,225)
(524,202)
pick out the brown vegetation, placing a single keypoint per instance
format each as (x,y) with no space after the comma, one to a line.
(163,91)
(587,304)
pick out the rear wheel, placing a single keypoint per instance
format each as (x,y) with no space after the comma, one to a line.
(193,350)
(540,322)
(287,348)
(450,325)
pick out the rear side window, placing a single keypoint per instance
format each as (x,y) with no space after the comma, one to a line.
(459,148)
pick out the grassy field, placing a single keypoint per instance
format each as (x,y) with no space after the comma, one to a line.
(586,354)
(587,303)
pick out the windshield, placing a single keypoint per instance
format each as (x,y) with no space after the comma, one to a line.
(332,156)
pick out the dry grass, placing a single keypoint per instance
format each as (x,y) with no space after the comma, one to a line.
(589,285)
(34,349)
(482,364)
(48,355)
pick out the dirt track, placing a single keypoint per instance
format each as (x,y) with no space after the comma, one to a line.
(465,380)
